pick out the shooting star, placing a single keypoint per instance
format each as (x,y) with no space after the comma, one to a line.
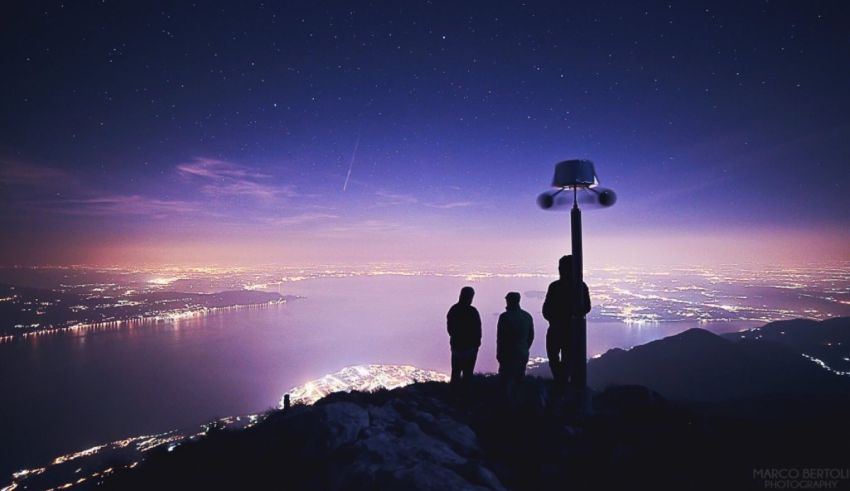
(351,164)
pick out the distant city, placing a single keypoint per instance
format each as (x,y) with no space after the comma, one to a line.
(37,301)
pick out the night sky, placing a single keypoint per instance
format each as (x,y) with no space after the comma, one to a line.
(253,133)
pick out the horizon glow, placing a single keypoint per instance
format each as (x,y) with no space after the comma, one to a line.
(254,134)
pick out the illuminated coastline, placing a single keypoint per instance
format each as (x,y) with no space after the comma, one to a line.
(138,321)
(75,468)
(634,296)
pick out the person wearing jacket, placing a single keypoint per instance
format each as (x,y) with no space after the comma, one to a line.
(560,308)
(514,335)
(464,327)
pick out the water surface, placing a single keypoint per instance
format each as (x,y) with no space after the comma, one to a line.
(66,391)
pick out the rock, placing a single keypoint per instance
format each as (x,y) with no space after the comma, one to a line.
(412,430)
(425,476)
(382,416)
(568,431)
(478,474)
(328,427)
(460,436)
(422,417)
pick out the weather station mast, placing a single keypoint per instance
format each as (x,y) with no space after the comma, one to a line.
(578,176)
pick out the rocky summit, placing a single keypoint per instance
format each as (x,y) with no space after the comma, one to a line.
(427,436)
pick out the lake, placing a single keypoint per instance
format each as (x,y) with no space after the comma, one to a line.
(71,391)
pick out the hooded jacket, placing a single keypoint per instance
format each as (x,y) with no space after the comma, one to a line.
(464,326)
(559,307)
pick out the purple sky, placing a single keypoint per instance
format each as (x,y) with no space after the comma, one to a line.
(246,133)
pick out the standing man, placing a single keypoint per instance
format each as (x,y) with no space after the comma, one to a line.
(464,326)
(560,310)
(514,335)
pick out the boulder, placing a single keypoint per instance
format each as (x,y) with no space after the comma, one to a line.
(328,427)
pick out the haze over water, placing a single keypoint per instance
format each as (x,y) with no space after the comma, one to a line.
(75,390)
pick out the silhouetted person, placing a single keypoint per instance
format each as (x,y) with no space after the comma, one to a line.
(464,326)
(514,335)
(560,310)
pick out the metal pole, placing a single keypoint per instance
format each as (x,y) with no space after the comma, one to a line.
(579,322)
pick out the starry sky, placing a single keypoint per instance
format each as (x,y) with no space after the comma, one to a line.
(239,133)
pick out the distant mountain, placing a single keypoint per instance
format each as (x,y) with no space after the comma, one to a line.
(828,340)
(697,365)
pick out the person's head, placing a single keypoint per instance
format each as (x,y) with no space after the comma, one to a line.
(512,299)
(466,294)
(565,266)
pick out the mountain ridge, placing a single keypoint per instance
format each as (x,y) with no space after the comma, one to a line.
(697,365)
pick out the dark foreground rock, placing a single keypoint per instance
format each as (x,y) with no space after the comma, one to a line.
(425,437)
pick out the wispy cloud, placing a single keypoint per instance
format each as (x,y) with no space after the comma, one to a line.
(450,205)
(221,178)
(302,218)
(365,227)
(19,173)
(218,169)
(251,189)
(56,191)
(387,198)
(121,205)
